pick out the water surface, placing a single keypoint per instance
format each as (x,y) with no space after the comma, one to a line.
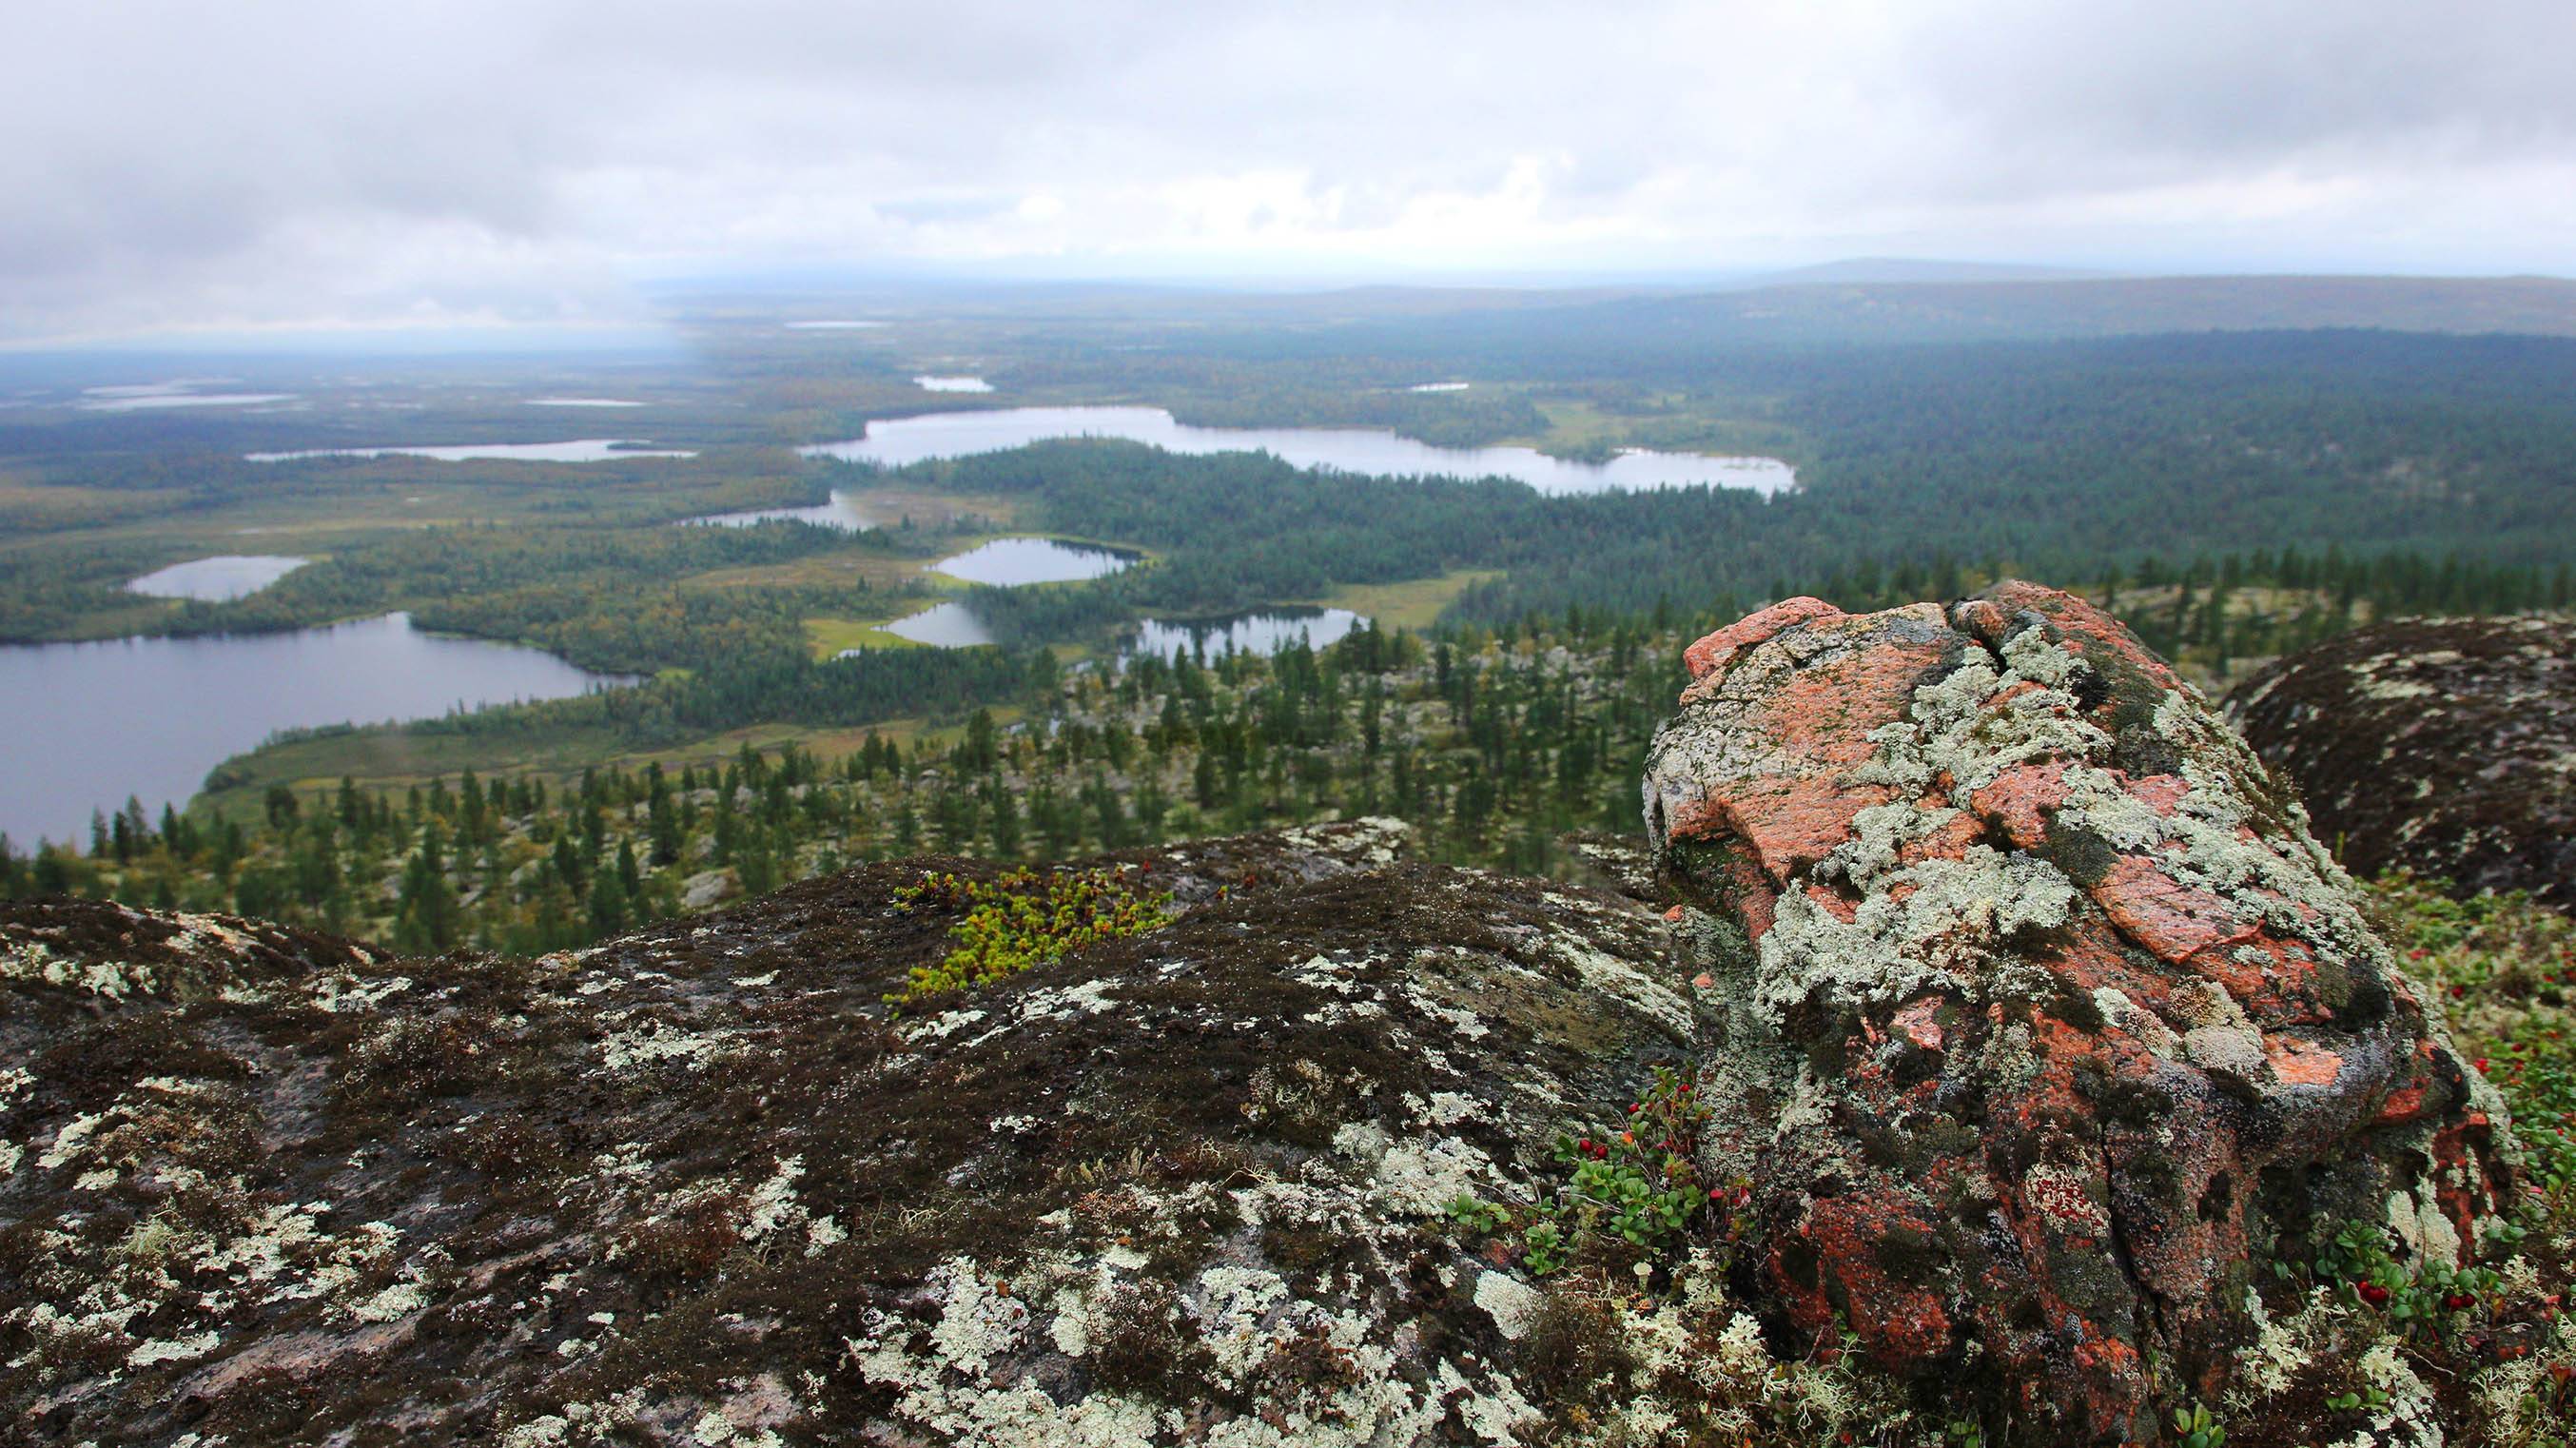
(137,399)
(952,384)
(842,512)
(1010,561)
(89,724)
(894,442)
(946,625)
(581,402)
(1264,632)
(577,450)
(215,580)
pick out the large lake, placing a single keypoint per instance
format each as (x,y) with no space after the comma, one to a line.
(896,441)
(89,724)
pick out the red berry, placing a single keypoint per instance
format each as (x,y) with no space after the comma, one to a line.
(2374,1294)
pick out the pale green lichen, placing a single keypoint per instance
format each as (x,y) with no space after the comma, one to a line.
(1942,923)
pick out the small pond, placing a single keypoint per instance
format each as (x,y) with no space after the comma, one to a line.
(215,580)
(842,512)
(1011,561)
(946,625)
(1264,632)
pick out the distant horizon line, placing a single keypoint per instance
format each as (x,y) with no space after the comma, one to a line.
(820,286)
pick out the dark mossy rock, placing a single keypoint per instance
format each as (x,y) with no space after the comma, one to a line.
(700,1186)
(2442,746)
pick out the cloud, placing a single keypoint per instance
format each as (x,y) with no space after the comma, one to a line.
(276,160)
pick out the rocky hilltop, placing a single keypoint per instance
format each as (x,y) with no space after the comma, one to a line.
(2446,746)
(1982,1028)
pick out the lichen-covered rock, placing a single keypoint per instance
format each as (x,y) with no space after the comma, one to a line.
(2046,1023)
(698,1186)
(2442,746)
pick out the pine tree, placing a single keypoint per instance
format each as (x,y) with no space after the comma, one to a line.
(425,917)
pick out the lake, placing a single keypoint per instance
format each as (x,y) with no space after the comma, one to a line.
(1264,632)
(1010,561)
(952,384)
(894,442)
(89,724)
(215,580)
(578,450)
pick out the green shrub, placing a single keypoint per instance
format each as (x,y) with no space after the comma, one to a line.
(1634,1184)
(1023,919)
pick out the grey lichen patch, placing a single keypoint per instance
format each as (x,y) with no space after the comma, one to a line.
(1942,923)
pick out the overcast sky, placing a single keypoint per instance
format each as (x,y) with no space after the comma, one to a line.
(265,162)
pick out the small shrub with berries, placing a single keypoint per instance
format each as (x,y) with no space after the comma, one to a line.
(1634,1186)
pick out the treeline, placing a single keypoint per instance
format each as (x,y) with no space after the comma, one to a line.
(1494,745)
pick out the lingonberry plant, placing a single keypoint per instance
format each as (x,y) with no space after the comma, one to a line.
(1637,1183)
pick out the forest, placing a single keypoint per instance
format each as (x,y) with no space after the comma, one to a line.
(1494,744)
(2232,494)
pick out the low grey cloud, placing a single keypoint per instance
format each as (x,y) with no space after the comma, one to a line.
(278,162)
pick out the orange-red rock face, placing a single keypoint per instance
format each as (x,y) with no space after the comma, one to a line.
(2047,1021)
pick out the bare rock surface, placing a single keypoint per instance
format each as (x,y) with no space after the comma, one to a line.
(697,1187)
(2445,746)
(2046,1022)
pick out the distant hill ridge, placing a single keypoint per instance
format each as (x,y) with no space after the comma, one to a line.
(1828,305)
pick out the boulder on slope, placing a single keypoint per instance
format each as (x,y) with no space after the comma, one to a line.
(2442,746)
(2047,1025)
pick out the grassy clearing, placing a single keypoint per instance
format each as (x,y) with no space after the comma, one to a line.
(846,569)
(1668,421)
(831,635)
(1415,603)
